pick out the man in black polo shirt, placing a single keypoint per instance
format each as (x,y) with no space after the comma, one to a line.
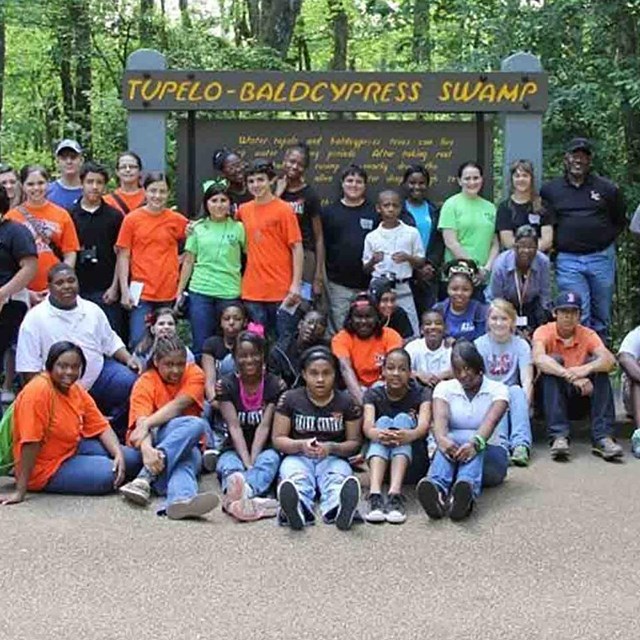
(590,213)
(98,225)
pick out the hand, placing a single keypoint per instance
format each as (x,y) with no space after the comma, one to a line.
(210,393)
(428,379)
(401,437)
(110,295)
(386,437)
(190,227)
(401,256)
(427,272)
(583,385)
(310,448)
(318,284)
(134,364)
(36,298)
(481,276)
(449,341)
(448,447)
(466,452)
(125,299)
(583,371)
(293,298)
(378,256)
(570,376)
(118,469)
(140,432)
(153,459)
(3,301)
(177,303)
(14,498)
(281,186)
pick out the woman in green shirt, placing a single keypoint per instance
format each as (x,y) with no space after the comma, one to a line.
(212,263)
(468,223)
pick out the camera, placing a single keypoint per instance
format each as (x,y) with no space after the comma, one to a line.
(88,255)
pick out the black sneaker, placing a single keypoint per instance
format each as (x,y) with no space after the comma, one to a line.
(461,500)
(396,511)
(376,509)
(431,499)
(349,499)
(290,504)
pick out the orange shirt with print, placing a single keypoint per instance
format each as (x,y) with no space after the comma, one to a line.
(272,229)
(133,199)
(58,420)
(150,393)
(585,341)
(59,227)
(152,239)
(367,355)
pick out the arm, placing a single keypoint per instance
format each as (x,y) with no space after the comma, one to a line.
(630,366)
(441,427)
(123,356)
(297,257)
(172,409)
(110,442)
(281,439)
(547,364)
(111,294)
(70,258)
(604,362)
(262,432)
(507,238)
(28,269)
(526,380)
(185,273)
(493,253)
(122,269)
(546,238)
(230,416)
(210,376)
(350,379)
(452,243)
(351,444)
(408,436)
(29,453)
(318,234)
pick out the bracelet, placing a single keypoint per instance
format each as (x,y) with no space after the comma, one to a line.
(479,443)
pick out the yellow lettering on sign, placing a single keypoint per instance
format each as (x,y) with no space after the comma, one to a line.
(445,91)
(338,91)
(213,91)
(248,92)
(194,96)
(133,85)
(167,87)
(147,95)
(529,89)
(508,92)
(317,93)
(277,95)
(488,93)
(299,91)
(183,89)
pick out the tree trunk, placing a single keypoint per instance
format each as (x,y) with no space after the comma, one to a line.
(272,22)
(79,10)
(421,39)
(2,64)
(146,22)
(339,22)
(185,17)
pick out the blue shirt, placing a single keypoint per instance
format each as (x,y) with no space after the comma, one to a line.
(470,324)
(422,215)
(64,197)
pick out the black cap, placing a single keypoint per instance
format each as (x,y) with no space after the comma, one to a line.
(579,144)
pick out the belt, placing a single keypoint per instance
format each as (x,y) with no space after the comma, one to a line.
(402,281)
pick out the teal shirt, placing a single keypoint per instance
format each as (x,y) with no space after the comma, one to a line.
(217,248)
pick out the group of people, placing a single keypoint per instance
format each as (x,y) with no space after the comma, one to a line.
(384,334)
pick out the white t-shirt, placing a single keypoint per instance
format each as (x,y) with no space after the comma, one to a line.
(85,325)
(504,361)
(465,416)
(631,343)
(424,360)
(389,241)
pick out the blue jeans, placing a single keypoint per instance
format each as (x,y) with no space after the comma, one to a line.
(178,439)
(309,476)
(137,315)
(272,318)
(111,391)
(204,316)
(114,312)
(593,276)
(515,426)
(259,477)
(401,421)
(89,471)
(487,468)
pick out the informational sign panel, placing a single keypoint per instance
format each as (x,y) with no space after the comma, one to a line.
(334,91)
(384,148)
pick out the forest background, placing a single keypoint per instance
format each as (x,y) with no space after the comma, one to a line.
(61,63)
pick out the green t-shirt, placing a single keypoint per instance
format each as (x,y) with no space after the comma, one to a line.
(474,221)
(217,247)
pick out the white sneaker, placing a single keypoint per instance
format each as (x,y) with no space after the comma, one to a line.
(137,491)
(193,507)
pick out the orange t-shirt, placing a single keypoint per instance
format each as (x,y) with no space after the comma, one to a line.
(150,393)
(58,420)
(585,342)
(152,239)
(271,229)
(133,200)
(59,226)
(366,355)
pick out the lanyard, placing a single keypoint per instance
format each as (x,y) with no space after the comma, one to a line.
(522,294)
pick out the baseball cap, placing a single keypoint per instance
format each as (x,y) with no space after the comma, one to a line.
(579,144)
(67,143)
(568,300)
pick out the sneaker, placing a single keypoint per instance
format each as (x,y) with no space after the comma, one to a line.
(396,511)
(194,507)
(7,397)
(461,500)
(431,499)
(349,499)
(236,490)
(376,509)
(635,443)
(251,509)
(608,449)
(520,456)
(289,501)
(137,491)
(560,449)
(210,460)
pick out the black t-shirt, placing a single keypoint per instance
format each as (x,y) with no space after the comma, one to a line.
(400,322)
(417,394)
(345,229)
(306,206)
(249,419)
(512,215)
(16,243)
(223,356)
(326,424)
(284,360)
(97,233)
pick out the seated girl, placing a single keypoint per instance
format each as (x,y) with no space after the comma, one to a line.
(396,415)
(248,466)
(61,441)
(466,412)
(164,424)
(161,323)
(317,427)
(464,317)
(507,359)
(393,316)
(361,346)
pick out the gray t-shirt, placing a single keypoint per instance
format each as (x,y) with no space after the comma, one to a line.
(504,361)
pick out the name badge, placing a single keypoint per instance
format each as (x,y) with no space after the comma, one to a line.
(367,224)
(522,321)
(534,219)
